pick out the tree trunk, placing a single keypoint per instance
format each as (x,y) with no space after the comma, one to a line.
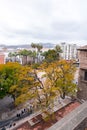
(24,60)
(63,95)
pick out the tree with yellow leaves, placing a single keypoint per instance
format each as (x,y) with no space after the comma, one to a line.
(21,90)
(66,80)
(60,74)
(64,77)
(32,87)
(44,85)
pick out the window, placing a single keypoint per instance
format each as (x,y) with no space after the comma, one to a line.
(85,76)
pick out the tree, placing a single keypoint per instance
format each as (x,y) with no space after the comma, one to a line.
(32,87)
(50,56)
(33,45)
(45,92)
(25,53)
(66,78)
(38,47)
(60,74)
(41,87)
(33,55)
(53,54)
(13,56)
(21,89)
(58,50)
(10,54)
(8,77)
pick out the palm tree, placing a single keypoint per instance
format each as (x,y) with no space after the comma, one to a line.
(33,55)
(13,55)
(10,54)
(33,45)
(58,50)
(38,47)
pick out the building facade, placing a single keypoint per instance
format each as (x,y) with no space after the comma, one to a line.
(82,80)
(2,58)
(69,51)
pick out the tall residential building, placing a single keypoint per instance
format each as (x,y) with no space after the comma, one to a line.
(69,51)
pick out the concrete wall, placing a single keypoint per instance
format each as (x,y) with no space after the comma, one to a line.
(82,125)
(73,119)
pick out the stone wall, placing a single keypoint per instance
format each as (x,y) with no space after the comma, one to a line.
(82,83)
(83,59)
(82,92)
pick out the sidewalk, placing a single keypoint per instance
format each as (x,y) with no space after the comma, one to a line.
(58,105)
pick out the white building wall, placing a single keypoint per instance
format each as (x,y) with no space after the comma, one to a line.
(69,51)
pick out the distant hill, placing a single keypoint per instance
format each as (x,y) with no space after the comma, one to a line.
(45,45)
(48,45)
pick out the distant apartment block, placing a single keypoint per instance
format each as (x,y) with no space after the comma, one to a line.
(69,51)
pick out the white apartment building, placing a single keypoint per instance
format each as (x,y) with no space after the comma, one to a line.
(69,51)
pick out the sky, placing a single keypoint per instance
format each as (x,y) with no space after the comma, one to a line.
(46,21)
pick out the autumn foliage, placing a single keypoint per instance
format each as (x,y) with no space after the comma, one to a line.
(40,86)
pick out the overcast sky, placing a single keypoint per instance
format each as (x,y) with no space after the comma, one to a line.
(54,21)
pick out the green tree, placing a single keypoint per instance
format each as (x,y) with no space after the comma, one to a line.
(13,55)
(38,46)
(33,45)
(38,51)
(10,54)
(22,89)
(50,56)
(53,54)
(25,53)
(33,55)
(58,50)
(8,77)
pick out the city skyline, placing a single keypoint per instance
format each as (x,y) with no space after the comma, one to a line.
(48,21)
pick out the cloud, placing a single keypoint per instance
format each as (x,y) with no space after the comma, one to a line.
(26,21)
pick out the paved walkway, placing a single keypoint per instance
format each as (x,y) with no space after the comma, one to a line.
(58,105)
(5,106)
